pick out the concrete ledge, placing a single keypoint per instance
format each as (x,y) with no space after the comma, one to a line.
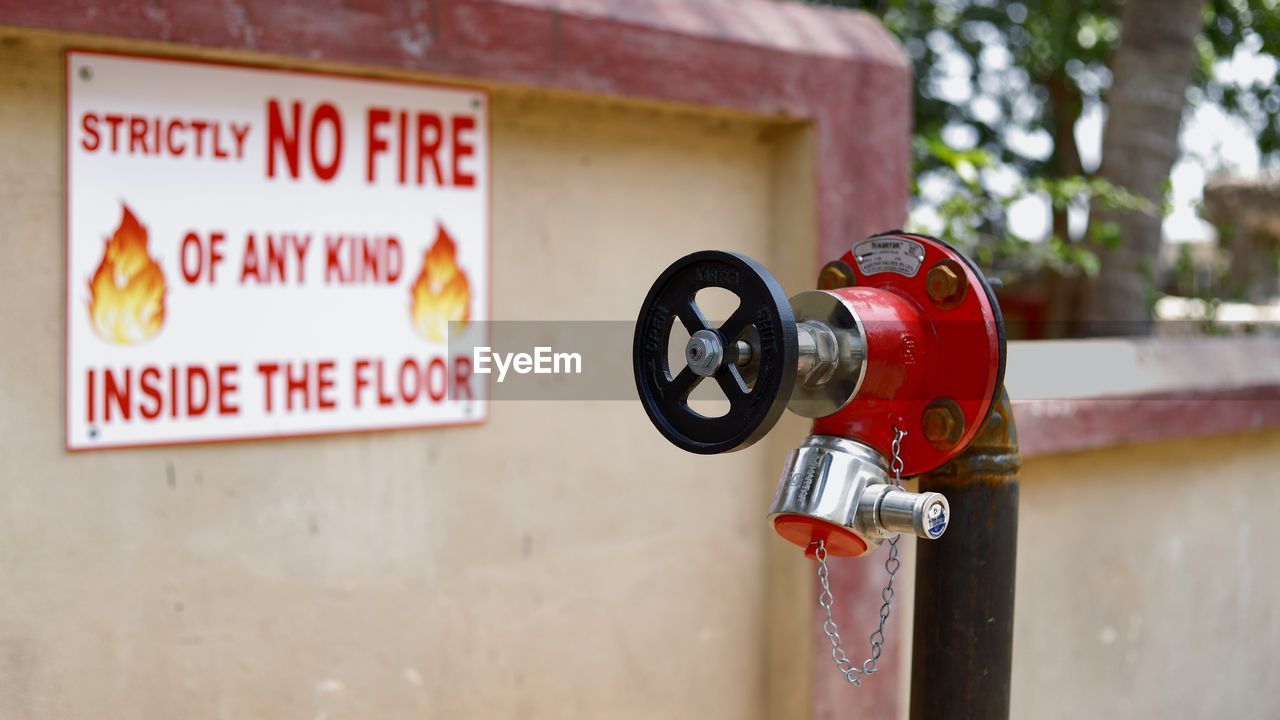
(1079,395)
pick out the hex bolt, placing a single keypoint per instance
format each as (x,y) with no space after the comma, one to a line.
(946,284)
(943,423)
(835,274)
(937,424)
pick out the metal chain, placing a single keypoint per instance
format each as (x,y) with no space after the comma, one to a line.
(853,673)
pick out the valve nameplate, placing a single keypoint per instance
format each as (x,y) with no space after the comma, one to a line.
(889,254)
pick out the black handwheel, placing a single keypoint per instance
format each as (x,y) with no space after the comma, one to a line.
(763,320)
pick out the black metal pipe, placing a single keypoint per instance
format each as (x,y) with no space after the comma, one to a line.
(962,646)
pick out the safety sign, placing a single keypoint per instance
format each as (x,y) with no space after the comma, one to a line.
(262,253)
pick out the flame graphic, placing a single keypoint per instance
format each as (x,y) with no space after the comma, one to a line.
(126,293)
(441,294)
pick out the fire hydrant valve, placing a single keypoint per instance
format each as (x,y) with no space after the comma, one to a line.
(898,358)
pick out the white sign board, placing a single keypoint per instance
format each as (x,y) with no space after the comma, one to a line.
(256,253)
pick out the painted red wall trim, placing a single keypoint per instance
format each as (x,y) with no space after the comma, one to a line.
(838,70)
(1059,426)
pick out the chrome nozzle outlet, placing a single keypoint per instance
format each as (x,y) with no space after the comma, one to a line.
(845,483)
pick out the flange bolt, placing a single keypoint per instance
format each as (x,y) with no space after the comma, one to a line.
(943,423)
(946,284)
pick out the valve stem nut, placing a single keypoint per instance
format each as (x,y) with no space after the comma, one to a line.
(704,353)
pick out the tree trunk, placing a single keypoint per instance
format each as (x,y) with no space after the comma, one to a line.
(1151,70)
(1063,289)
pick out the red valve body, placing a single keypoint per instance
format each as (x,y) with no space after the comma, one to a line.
(920,351)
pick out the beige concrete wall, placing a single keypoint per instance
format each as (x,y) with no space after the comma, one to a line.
(1148,579)
(562,561)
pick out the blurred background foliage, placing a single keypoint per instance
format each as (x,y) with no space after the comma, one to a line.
(1001,86)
